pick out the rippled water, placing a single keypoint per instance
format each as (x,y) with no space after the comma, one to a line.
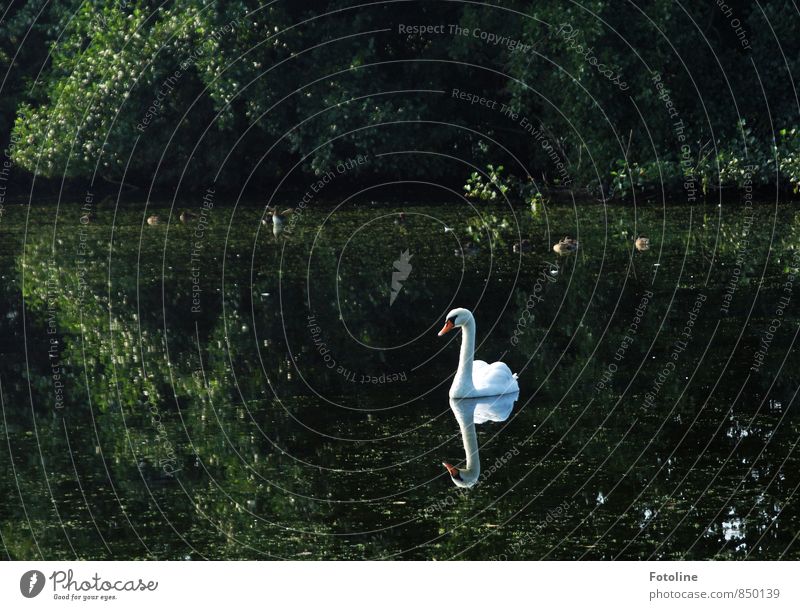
(214,390)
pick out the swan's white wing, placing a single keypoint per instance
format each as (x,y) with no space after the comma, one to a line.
(492,379)
(478,367)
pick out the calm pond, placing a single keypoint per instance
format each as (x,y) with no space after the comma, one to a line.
(222,388)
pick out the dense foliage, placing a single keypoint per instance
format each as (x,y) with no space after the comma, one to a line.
(599,95)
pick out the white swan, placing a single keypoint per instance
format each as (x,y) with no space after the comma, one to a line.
(475,378)
(468,412)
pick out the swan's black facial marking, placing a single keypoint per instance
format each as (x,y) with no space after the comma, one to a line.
(457,477)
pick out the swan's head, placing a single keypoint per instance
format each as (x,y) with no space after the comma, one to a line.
(460,478)
(457,317)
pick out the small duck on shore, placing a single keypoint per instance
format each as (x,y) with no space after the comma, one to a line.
(154,220)
(188,216)
(642,243)
(567,245)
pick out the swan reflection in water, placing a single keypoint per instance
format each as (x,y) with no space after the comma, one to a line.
(469,412)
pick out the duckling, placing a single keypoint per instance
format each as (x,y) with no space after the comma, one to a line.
(642,243)
(154,220)
(524,245)
(88,218)
(566,246)
(401,219)
(188,216)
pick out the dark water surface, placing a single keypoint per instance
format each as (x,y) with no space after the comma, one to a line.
(210,390)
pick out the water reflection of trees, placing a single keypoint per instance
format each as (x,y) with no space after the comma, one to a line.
(245,487)
(687,441)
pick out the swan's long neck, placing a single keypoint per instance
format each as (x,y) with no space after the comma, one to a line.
(469,437)
(463,378)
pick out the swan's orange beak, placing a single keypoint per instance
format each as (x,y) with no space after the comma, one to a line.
(452,470)
(448,326)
